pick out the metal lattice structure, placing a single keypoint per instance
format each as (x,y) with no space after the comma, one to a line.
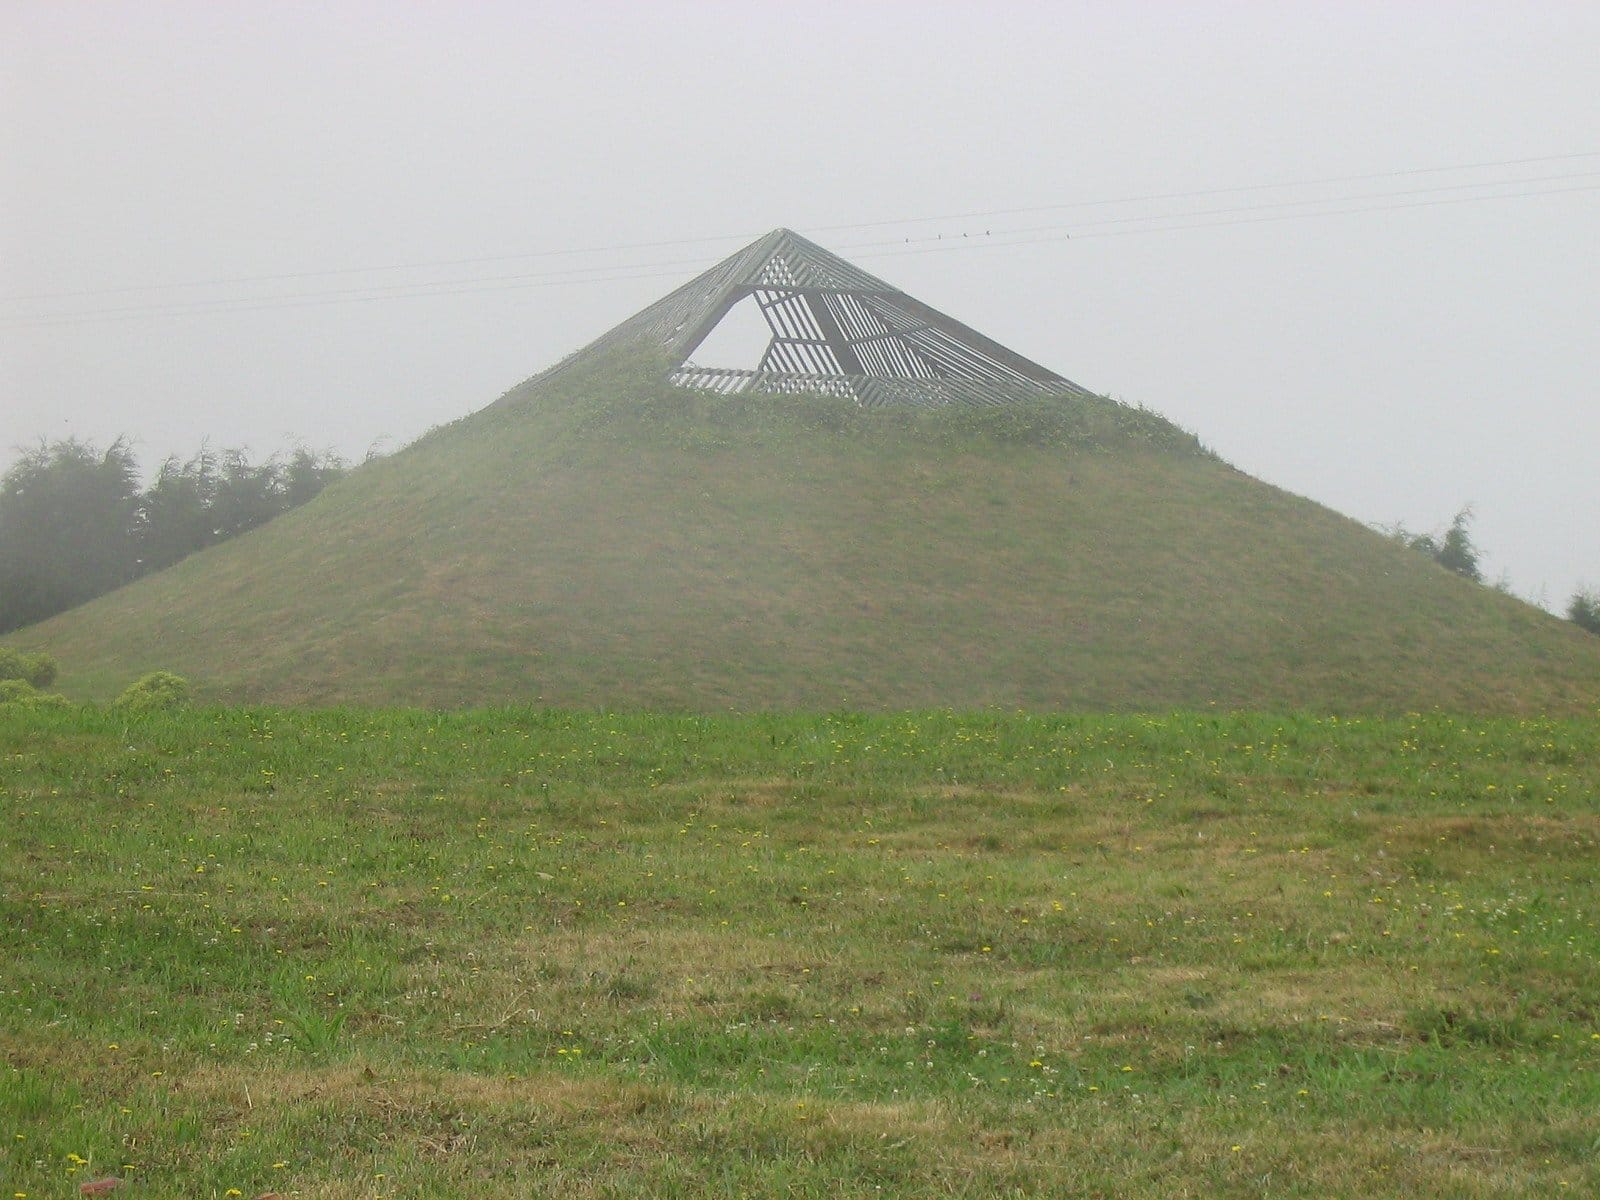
(836,331)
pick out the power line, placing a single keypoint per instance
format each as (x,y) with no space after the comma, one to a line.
(1203,212)
(377,291)
(878,249)
(632,246)
(1254,187)
(962,243)
(412,266)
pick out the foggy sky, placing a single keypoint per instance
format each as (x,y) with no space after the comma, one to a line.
(1394,365)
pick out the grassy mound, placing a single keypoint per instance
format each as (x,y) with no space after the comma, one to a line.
(602,540)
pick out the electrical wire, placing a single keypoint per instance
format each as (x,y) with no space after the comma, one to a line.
(1254,187)
(634,246)
(964,243)
(879,249)
(1204,212)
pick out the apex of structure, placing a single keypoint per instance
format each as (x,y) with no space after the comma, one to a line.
(830,329)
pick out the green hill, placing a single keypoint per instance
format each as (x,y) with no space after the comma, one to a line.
(596,538)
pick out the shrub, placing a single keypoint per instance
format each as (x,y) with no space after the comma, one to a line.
(154,692)
(19,693)
(1456,551)
(36,670)
(1583,610)
(1453,549)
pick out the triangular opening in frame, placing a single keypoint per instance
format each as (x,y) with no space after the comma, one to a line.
(737,343)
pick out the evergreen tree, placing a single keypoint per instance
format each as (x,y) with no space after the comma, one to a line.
(307,473)
(1583,610)
(1456,551)
(74,524)
(68,515)
(176,516)
(1453,550)
(248,494)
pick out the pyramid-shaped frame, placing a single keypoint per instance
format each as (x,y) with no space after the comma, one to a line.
(836,331)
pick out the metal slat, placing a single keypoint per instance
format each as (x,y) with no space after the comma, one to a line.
(837,330)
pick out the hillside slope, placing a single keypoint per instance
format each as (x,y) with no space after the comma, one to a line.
(601,540)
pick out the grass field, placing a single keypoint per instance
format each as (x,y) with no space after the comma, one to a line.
(533,953)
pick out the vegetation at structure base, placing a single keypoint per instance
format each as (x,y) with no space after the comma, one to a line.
(541,953)
(627,397)
(74,522)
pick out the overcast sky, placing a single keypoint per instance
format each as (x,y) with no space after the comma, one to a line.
(342,222)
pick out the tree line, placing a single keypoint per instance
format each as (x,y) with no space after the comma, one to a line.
(75,521)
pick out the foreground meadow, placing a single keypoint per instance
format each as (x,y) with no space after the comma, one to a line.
(530,953)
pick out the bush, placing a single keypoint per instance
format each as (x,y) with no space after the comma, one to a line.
(36,670)
(1583,610)
(1453,549)
(1456,551)
(19,693)
(154,692)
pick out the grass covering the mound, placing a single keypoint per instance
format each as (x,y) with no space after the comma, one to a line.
(523,952)
(626,398)
(601,540)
